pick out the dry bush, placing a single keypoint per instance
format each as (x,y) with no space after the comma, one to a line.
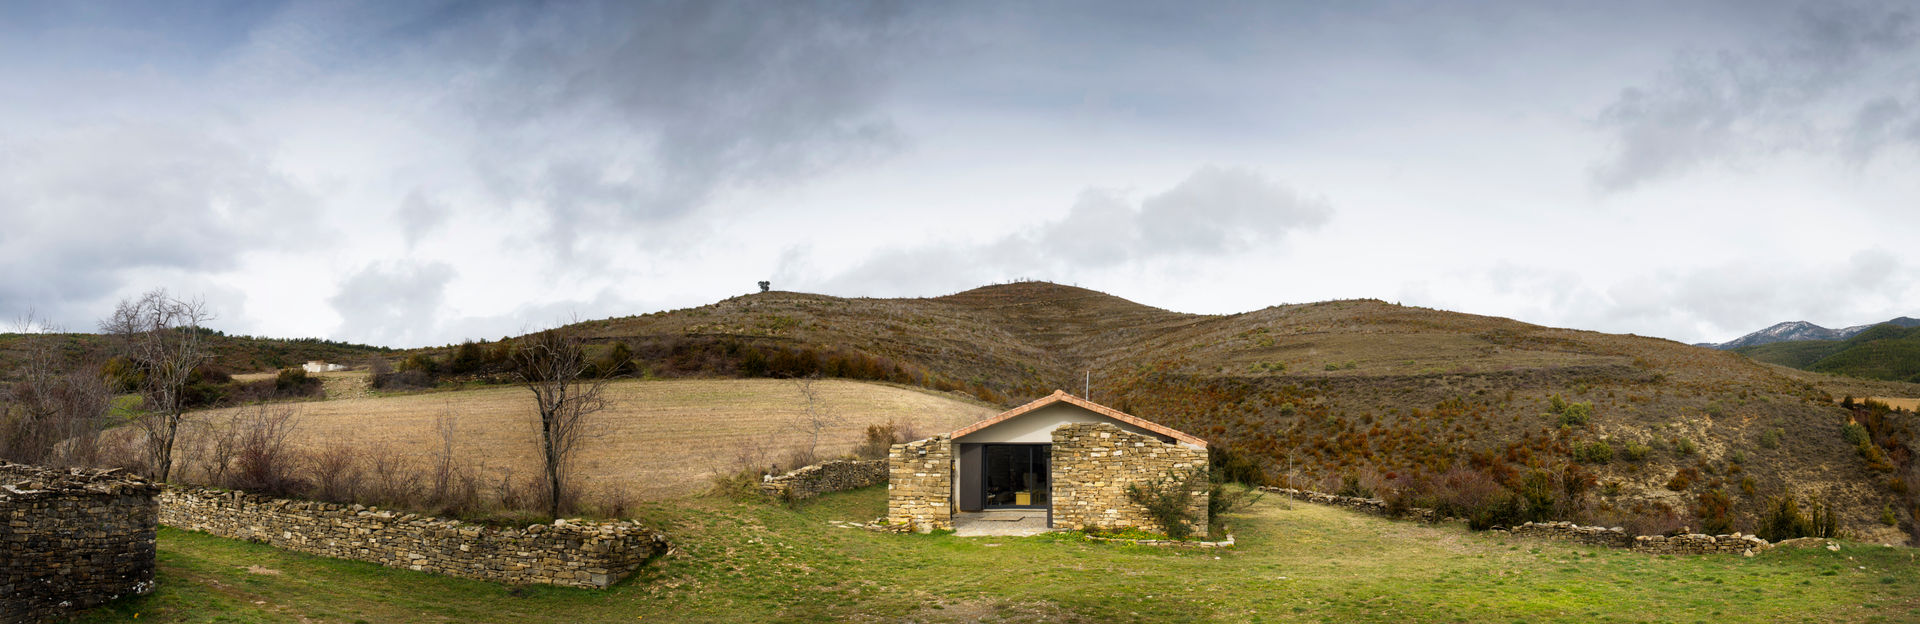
(336,472)
(263,461)
(881,438)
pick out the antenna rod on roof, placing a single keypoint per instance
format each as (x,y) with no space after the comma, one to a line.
(1086,388)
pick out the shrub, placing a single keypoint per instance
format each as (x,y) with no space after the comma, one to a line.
(1470,494)
(294,382)
(1784,520)
(743,485)
(468,358)
(1350,485)
(1595,453)
(419,362)
(618,361)
(1169,501)
(1682,479)
(1234,467)
(1576,414)
(1771,439)
(1684,447)
(1714,511)
(1634,451)
(1855,433)
(1887,517)
(880,439)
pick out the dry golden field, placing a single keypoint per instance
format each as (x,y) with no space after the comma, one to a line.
(657,439)
(1897,402)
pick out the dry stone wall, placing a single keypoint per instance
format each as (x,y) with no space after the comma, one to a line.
(833,476)
(1093,463)
(1697,544)
(1614,537)
(920,484)
(573,554)
(71,540)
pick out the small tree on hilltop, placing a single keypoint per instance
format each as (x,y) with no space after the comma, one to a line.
(553,365)
(160,338)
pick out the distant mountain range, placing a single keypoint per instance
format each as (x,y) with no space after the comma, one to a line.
(1889,351)
(1801,330)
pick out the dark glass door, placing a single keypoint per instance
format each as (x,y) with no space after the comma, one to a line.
(1015,476)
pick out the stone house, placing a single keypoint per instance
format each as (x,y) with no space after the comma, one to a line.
(1064,456)
(318,366)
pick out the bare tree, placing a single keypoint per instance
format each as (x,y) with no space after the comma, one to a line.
(33,397)
(160,336)
(814,418)
(51,414)
(553,365)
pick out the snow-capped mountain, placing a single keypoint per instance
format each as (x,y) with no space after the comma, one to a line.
(1802,330)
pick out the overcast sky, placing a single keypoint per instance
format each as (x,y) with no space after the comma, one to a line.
(411,174)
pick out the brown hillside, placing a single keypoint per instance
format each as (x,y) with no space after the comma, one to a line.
(1337,388)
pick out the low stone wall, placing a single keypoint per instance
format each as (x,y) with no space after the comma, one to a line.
(1697,544)
(920,484)
(71,540)
(838,475)
(1615,537)
(573,554)
(1374,506)
(1570,532)
(1093,463)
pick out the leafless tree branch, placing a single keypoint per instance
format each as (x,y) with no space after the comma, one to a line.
(553,365)
(161,338)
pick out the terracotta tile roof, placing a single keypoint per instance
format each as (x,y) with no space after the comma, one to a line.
(1061,396)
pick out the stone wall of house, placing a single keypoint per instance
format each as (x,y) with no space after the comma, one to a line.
(1614,537)
(1093,463)
(838,475)
(920,484)
(72,539)
(573,554)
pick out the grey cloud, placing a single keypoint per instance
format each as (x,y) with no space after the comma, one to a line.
(1216,211)
(86,210)
(1773,96)
(420,215)
(613,118)
(627,114)
(391,303)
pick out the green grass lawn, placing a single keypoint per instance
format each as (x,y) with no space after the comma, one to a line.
(1295,562)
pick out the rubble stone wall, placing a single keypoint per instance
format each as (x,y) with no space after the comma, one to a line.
(838,475)
(1094,463)
(573,554)
(920,484)
(71,540)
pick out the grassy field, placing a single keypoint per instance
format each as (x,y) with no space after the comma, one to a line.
(1295,562)
(656,439)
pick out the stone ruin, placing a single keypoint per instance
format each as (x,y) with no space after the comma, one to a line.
(72,539)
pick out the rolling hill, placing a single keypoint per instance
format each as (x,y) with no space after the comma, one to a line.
(1358,389)
(231,353)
